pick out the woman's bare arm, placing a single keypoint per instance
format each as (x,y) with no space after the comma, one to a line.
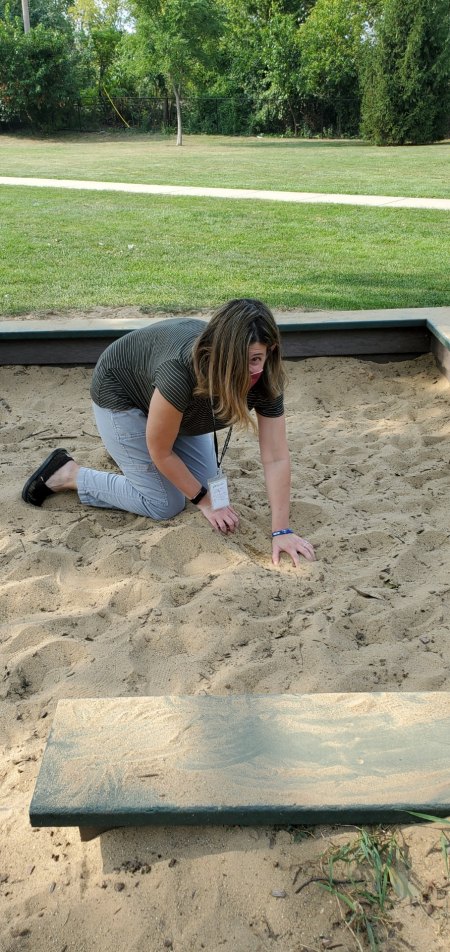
(163,425)
(277,473)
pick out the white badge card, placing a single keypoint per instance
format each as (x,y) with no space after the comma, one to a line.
(218,491)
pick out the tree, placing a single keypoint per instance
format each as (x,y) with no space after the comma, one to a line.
(407,76)
(262,43)
(330,41)
(181,37)
(281,51)
(101,24)
(88,13)
(49,13)
(41,75)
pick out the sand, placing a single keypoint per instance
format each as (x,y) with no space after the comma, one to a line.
(96,603)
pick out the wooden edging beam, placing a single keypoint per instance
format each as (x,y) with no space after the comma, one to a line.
(247,759)
(388,334)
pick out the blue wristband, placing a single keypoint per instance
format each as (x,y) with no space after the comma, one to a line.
(282,532)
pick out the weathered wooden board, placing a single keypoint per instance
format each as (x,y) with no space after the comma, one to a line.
(356,341)
(396,333)
(53,351)
(442,355)
(407,341)
(245,759)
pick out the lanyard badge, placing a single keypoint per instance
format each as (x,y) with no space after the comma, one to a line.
(218,491)
(218,486)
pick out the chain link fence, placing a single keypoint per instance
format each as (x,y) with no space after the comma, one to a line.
(228,116)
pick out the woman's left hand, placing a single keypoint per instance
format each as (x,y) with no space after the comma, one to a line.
(294,546)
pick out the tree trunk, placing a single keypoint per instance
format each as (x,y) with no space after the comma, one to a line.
(294,120)
(25,16)
(165,111)
(179,126)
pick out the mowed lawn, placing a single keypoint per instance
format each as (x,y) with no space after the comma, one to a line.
(234,162)
(67,249)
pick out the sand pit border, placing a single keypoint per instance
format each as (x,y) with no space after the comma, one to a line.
(323,758)
(381,334)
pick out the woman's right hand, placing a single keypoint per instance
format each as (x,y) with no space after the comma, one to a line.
(222,520)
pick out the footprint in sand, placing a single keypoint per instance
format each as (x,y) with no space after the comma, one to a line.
(306,517)
(208,563)
(421,480)
(28,672)
(40,593)
(187,550)
(431,539)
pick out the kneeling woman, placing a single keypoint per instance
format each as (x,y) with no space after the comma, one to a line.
(160,394)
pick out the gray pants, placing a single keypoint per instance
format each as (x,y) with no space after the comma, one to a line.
(141,489)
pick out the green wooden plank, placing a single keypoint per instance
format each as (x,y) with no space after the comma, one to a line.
(435,319)
(73,328)
(81,339)
(245,759)
(439,326)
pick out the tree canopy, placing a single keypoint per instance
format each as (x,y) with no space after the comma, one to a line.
(407,73)
(380,68)
(181,37)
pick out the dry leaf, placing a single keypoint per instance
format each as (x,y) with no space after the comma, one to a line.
(368,592)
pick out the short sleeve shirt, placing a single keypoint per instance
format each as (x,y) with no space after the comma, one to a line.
(160,356)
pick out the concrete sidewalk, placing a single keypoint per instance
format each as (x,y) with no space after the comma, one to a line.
(379,201)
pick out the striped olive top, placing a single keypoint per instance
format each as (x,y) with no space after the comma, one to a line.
(160,355)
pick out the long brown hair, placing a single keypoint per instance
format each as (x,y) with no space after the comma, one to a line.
(220,358)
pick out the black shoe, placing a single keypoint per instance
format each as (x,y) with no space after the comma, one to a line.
(35,490)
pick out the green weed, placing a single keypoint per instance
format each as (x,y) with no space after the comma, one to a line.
(444,839)
(365,876)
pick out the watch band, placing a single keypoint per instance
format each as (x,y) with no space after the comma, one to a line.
(199,496)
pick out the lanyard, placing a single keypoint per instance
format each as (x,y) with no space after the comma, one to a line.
(216,445)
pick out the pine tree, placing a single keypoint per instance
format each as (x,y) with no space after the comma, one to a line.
(406,79)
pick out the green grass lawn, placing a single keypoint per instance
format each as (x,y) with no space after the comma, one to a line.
(286,164)
(61,249)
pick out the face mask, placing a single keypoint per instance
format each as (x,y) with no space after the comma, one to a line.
(255,377)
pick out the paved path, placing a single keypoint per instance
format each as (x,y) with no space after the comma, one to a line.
(380,201)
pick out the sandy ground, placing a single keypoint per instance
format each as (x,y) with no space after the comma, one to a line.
(96,603)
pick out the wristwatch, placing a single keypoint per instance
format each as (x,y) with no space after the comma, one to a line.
(199,496)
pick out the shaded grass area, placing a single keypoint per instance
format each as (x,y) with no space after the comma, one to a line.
(282,164)
(62,249)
